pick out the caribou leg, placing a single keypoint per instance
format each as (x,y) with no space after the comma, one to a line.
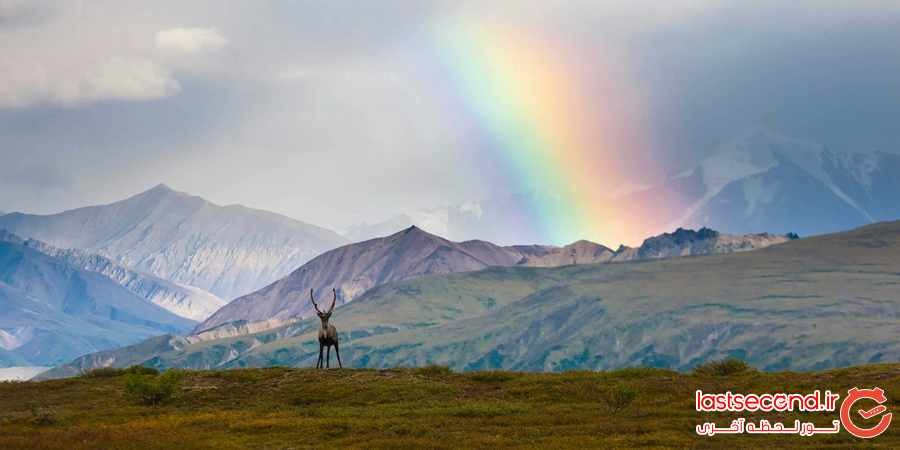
(337,351)
(328,357)
(319,364)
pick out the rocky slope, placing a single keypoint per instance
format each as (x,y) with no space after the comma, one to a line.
(820,302)
(52,311)
(226,250)
(186,301)
(705,241)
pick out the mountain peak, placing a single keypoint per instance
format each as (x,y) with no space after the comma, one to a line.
(415,231)
(163,191)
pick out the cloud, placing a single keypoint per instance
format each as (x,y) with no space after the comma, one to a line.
(190,40)
(112,79)
(23,12)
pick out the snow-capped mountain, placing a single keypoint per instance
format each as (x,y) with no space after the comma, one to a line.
(770,182)
(186,301)
(226,250)
(52,311)
(761,181)
(356,268)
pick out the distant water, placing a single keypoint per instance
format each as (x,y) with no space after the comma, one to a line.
(20,373)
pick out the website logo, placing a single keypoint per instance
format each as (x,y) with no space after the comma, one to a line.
(816,401)
(854,395)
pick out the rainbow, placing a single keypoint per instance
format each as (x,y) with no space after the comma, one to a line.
(551,140)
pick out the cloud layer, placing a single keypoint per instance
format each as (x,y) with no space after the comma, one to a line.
(338,112)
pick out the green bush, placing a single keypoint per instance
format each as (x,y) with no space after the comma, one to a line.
(618,397)
(722,367)
(42,416)
(152,390)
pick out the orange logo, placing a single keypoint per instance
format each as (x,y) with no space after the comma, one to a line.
(854,395)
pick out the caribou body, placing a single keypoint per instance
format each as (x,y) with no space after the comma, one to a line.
(328,335)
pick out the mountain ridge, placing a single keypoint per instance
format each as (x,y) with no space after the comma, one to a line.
(186,301)
(226,250)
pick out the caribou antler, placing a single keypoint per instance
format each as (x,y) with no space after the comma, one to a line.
(313,300)
(333,300)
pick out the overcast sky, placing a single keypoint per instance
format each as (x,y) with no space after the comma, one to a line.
(334,112)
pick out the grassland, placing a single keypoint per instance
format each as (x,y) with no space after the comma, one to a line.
(414,408)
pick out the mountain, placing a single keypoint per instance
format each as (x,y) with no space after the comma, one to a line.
(820,302)
(413,252)
(580,252)
(51,311)
(767,181)
(185,301)
(226,250)
(759,181)
(355,268)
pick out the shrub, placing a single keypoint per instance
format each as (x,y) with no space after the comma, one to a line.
(433,370)
(618,397)
(491,377)
(141,370)
(42,416)
(152,390)
(103,372)
(722,367)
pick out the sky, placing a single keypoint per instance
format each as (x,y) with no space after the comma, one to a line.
(342,112)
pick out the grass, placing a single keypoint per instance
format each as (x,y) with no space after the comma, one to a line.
(432,407)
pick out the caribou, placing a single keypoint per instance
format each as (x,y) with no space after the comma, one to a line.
(328,335)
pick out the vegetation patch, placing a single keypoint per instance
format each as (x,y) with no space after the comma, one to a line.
(153,390)
(109,372)
(618,396)
(433,370)
(410,408)
(493,376)
(723,367)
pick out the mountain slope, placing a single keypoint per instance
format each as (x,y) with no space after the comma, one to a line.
(356,268)
(186,301)
(51,311)
(229,251)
